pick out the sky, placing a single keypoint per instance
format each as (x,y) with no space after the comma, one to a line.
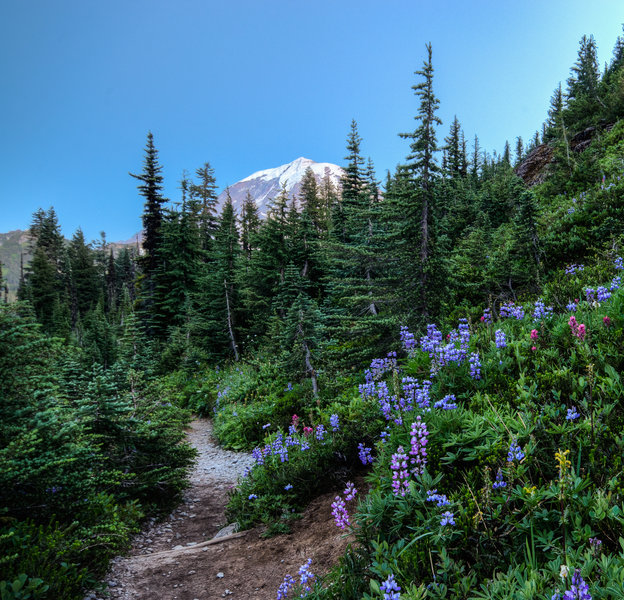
(248,85)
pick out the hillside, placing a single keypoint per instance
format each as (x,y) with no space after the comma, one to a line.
(13,250)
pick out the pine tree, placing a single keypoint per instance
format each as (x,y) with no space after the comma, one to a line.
(583,86)
(476,159)
(250,224)
(214,323)
(203,202)
(506,159)
(85,288)
(151,189)
(453,149)
(519,150)
(422,169)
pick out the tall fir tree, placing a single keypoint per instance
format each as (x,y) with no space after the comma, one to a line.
(150,188)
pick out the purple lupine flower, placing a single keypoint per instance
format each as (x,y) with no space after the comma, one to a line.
(590,294)
(572,306)
(400,474)
(282,590)
(579,590)
(464,337)
(350,491)
(252,497)
(409,342)
(429,342)
(447,403)
(618,263)
(573,269)
(365,454)
(339,512)
(380,366)
(515,452)
(595,544)
(511,310)
(258,456)
(487,316)
(306,575)
(319,432)
(447,518)
(572,414)
(499,482)
(390,589)
(616,283)
(439,499)
(602,294)
(418,451)
(541,310)
(415,392)
(334,422)
(475,366)
(500,339)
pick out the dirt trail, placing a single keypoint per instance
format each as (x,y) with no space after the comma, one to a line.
(181,559)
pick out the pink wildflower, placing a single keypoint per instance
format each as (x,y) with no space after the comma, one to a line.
(534,334)
(606,321)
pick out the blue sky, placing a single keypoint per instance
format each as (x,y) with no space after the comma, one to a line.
(249,85)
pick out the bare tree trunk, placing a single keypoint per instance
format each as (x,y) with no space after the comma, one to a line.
(229,320)
(308,363)
(310,369)
(371,307)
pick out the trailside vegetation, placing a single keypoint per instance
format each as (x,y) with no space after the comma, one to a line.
(452,338)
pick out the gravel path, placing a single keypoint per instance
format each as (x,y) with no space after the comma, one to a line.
(191,556)
(195,521)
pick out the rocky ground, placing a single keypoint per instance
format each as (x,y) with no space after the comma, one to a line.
(192,556)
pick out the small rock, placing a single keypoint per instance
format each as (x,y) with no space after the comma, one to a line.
(220,575)
(112,584)
(230,529)
(178,547)
(192,572)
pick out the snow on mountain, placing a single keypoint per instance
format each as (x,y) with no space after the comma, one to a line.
(266,185)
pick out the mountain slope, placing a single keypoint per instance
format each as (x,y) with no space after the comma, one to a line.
(265,185)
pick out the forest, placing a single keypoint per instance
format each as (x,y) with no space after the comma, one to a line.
(453,334)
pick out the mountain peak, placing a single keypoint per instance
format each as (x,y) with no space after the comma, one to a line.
(265,185)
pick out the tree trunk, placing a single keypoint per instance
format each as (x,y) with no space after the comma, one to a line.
(229,320)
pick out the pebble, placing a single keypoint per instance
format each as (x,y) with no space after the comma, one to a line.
(220,575)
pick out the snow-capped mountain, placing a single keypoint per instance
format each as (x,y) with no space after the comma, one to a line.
(266,185)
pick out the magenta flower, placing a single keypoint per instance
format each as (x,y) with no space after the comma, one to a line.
(534,334)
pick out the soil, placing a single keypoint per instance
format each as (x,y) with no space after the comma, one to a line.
(192,556)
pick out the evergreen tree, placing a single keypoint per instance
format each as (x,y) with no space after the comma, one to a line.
(453,149)
(250,224)
(203,203)
(214,321)
(151,190)
(85,285)
(519,150)
(583,86)
(422,169)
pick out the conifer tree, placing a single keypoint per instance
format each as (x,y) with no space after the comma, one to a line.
(151,190)
(519,150)
(250,224)
(583,86)
(203,203)
(453,149)
(422,169)
(84,279)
